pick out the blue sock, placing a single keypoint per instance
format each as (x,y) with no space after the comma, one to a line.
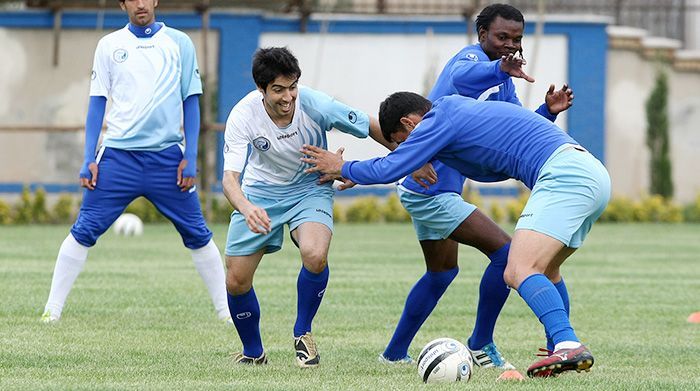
(420,302)
(493,293)
(540,294)
(245,312)
(310,290)
(561,288)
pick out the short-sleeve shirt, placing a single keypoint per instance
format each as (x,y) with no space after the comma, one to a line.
(147,80)
(270,154)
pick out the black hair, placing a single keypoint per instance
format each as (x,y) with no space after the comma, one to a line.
(505,11)
(268,63)
(397,106)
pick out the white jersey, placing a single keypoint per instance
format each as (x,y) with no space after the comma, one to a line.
(272,165)
(147,79)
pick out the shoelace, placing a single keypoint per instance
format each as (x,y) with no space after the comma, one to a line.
(545,352)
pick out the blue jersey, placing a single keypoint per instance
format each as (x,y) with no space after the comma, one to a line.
(484,141)
(469,73)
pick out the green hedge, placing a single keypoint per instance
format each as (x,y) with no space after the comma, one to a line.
(32,209)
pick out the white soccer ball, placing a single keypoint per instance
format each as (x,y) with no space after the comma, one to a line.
(445,360)
(128,224)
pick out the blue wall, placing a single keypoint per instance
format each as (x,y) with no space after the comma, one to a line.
(240,33)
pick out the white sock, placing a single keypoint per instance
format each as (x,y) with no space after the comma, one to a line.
(69,263)
(567,345)
(207,261)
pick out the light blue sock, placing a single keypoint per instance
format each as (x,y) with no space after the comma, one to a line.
(310,290)
(245,312)
(564,293)
(540,294)
(420,302)
(493,293)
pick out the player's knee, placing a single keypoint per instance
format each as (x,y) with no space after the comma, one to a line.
(237,284)
(314,261)
(510,276)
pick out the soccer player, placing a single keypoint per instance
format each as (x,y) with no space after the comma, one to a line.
(441,218)
(273,122)
(150,72)
(494,141)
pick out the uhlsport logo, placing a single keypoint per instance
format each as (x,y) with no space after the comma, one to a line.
(243,315)
(261,143)
(472,57)
(352,117)
(120,55)
(93,75)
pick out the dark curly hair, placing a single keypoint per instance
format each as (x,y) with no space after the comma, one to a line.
(505,11)
(268,63)
(397,106)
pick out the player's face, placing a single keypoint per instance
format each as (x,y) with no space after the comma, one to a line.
(502,38)
(279,98)
(408,123)
(141,12)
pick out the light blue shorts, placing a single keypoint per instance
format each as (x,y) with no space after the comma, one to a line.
(292,211)
(571,192)
(435,217)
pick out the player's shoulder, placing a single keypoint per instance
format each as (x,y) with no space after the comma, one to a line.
(176,35)
(472,53)
(309,97)
(245,109)
(114,38)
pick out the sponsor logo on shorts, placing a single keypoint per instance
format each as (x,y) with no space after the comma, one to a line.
(320,294)
(526,215)
(196,73)
(93,75)
(243,315)
(324,212)
(261,143)
(120,55)
(352,117)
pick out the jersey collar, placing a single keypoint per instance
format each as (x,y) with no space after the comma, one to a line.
(145,31)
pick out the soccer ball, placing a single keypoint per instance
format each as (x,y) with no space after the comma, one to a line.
(128,225)
(444,360)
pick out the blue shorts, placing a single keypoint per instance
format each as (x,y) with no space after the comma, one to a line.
(435,217)
(293,211)
(571,192)
(126,175)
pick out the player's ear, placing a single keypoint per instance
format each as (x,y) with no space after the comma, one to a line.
(155,3)
(407,123)
(482,34)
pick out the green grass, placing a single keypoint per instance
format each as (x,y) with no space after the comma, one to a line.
(139,316)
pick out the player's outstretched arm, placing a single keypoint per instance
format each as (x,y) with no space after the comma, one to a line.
(93,127)
(559,100)
(513,65)
(255,217)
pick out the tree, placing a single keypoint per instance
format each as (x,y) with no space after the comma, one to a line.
(658,138)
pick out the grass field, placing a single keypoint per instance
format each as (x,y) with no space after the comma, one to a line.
(139,316)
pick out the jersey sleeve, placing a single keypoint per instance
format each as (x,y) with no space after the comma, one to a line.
(330,113)
(431,135)
(474,73)
(235,142)
(100,77)
(191,82)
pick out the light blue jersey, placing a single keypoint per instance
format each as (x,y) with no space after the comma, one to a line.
(147,79)
(274,169)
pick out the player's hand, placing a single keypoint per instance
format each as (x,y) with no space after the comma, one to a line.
(91,181)
(184,182)
(425,176)
(324,178)
(559,100)
(347,184)
(512,64)
(323,161)
(257,219)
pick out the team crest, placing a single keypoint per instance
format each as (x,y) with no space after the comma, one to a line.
(120,55)
(472,57)
(261,143)
(352,117)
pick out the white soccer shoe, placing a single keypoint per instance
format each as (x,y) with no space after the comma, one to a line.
(489,357)
(47,318)
(407,360)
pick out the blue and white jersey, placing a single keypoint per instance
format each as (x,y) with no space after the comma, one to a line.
(147,80)
(274,168)
(484,141)
(469,73)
